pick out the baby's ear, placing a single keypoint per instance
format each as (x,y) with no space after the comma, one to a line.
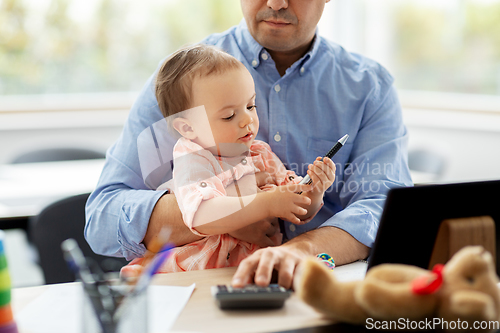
(183,126)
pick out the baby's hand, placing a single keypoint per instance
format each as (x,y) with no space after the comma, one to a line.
(285,202)
(322,174)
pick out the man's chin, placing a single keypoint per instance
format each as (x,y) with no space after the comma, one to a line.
(277,44)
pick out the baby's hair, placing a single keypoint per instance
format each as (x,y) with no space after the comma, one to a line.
(173,86)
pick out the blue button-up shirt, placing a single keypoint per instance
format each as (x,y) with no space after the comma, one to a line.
(326,94)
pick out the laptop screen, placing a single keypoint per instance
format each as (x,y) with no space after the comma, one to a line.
(412,217)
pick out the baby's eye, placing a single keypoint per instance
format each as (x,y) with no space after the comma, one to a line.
(229,118)
(251,107)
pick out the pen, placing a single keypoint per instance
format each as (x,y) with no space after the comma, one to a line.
(99,295)
(340,143)
(144,279)
(151,269)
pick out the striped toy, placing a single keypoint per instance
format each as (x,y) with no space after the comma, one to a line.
(7,323)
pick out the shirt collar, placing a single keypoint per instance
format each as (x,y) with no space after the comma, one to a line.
(252,50)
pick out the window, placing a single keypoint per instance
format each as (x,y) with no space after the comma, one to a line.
(445,47)
(68,47)
(88,46)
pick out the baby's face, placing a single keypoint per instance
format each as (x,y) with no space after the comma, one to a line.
(229,100)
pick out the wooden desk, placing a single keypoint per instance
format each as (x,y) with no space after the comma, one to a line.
(201,313)
(25,189)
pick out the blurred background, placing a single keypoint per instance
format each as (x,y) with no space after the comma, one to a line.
(71,69)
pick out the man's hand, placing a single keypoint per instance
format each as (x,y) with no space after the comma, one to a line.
(166,213)
(260,265)
(262,233)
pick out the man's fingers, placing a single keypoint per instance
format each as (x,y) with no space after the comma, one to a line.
(259,267)
(286,271)
(245,271)
(265,268)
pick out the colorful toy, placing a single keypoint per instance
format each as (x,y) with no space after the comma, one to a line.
(7,323)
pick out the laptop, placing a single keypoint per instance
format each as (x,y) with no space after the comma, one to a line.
(412,215)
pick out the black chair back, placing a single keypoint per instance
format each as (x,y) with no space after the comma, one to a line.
(59,221)
(58,154)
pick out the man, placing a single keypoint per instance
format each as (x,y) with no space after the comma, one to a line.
(310,92)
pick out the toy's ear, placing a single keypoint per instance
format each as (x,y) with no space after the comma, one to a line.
(184,127)
(317,286)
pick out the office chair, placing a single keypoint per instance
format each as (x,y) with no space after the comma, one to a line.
(57,154)
(59,221)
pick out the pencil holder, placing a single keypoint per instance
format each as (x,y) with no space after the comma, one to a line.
(7,323)
(114,309)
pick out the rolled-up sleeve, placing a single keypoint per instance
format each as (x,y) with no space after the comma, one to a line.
(377,163)
(119,209)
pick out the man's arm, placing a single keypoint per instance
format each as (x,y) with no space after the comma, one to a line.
(166,213)
(285,258)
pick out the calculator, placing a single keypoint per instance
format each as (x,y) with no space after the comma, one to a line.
(250,297)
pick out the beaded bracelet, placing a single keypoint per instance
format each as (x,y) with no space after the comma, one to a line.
(327,260)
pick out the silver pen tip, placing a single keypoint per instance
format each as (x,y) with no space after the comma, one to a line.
(343,139)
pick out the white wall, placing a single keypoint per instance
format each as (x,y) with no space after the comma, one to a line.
(20,132)
(469,141)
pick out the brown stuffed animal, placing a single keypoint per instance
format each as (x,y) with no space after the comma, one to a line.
(464,292)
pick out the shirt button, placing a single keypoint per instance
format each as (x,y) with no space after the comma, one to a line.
(292,227)
(277,137)
(277,88)
(203,184)
(264,56)
(254,63)
(244,161)
(302,70)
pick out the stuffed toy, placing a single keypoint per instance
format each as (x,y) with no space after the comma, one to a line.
(463,294)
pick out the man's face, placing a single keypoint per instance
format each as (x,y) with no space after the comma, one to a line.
(282,25)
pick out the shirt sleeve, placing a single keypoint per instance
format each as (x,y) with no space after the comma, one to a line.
(377,163)
(195,179)
(119,209)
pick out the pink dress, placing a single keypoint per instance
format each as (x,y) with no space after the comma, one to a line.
(199,175)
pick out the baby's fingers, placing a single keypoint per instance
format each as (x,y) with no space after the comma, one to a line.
(297,210)
(330,170)
(318,169)
(295,188)
(292,218)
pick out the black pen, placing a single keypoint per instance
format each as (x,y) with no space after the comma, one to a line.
(307,180)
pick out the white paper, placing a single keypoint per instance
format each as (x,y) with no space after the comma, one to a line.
(59,309)
(351,272)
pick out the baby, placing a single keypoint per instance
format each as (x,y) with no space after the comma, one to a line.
(208,99)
